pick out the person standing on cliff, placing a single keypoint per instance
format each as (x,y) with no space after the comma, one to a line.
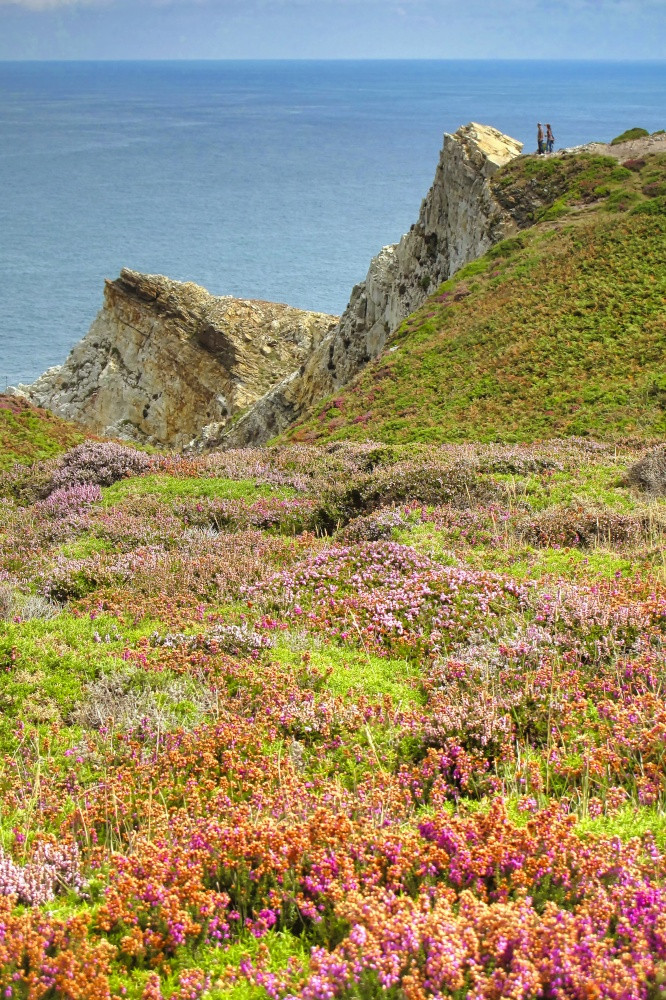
(540,142)
(550,138)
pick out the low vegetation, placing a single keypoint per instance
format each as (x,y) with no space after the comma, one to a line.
(358,721)
(631,133)
(28,434)
(362,718)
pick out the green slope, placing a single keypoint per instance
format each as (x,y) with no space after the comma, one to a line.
(29,434)
(560,330)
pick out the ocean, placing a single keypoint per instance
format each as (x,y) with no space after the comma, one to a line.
(270,180)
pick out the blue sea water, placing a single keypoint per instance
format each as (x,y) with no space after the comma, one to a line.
(274,180)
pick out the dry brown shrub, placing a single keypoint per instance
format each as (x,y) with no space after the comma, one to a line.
(581,526)
(649,472)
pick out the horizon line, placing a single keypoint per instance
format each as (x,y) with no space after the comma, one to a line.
(319,59)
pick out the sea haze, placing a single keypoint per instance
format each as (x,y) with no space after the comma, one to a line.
(273,180)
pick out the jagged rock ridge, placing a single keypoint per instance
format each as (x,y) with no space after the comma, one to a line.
(164,358)
(460,219)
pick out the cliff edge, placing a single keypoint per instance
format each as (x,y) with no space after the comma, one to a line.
(460,219)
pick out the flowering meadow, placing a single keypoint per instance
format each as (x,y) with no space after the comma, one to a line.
(343,722)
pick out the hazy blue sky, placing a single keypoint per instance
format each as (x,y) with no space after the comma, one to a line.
(222,29)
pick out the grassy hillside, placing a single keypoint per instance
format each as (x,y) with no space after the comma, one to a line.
(560,330)
(29,434)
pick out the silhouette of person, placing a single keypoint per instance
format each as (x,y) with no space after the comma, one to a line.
(540,140)
(550,139)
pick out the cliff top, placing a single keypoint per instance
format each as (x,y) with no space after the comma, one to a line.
(558,330)
(192,303)
(494,145)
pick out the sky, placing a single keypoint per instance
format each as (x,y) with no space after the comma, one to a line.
(332,29)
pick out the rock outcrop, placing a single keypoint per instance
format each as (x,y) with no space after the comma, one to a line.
(168,364)
(163,359)
(460,219)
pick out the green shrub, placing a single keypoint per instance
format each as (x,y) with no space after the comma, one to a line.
(631,133)
(542,168)
(555,211)
(654,206)
(474,267)
(506,247)
(620,174)
(620,200)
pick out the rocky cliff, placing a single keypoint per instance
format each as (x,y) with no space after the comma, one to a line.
(165,363)
(460,219)
(163,359)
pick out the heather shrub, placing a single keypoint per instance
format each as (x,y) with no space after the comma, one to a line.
(390,595)
(68,500)
(654,189)
(27,484)
(68,579)
(25,607)
(35,606)
(137,520)
(373,527)
(53,869)
(473,715)
(580,525)
(101,463)
(518,463)
(310,718)
(206,564)
(294,465)
(275,514)
(7,601)
(435,482)
(260,464)
(649,473)
(237,640)
(138,698)
(634,164)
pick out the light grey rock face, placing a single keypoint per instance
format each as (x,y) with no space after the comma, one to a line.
(164,359)
(459,220)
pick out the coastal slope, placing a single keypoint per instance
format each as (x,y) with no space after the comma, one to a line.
(558,330)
